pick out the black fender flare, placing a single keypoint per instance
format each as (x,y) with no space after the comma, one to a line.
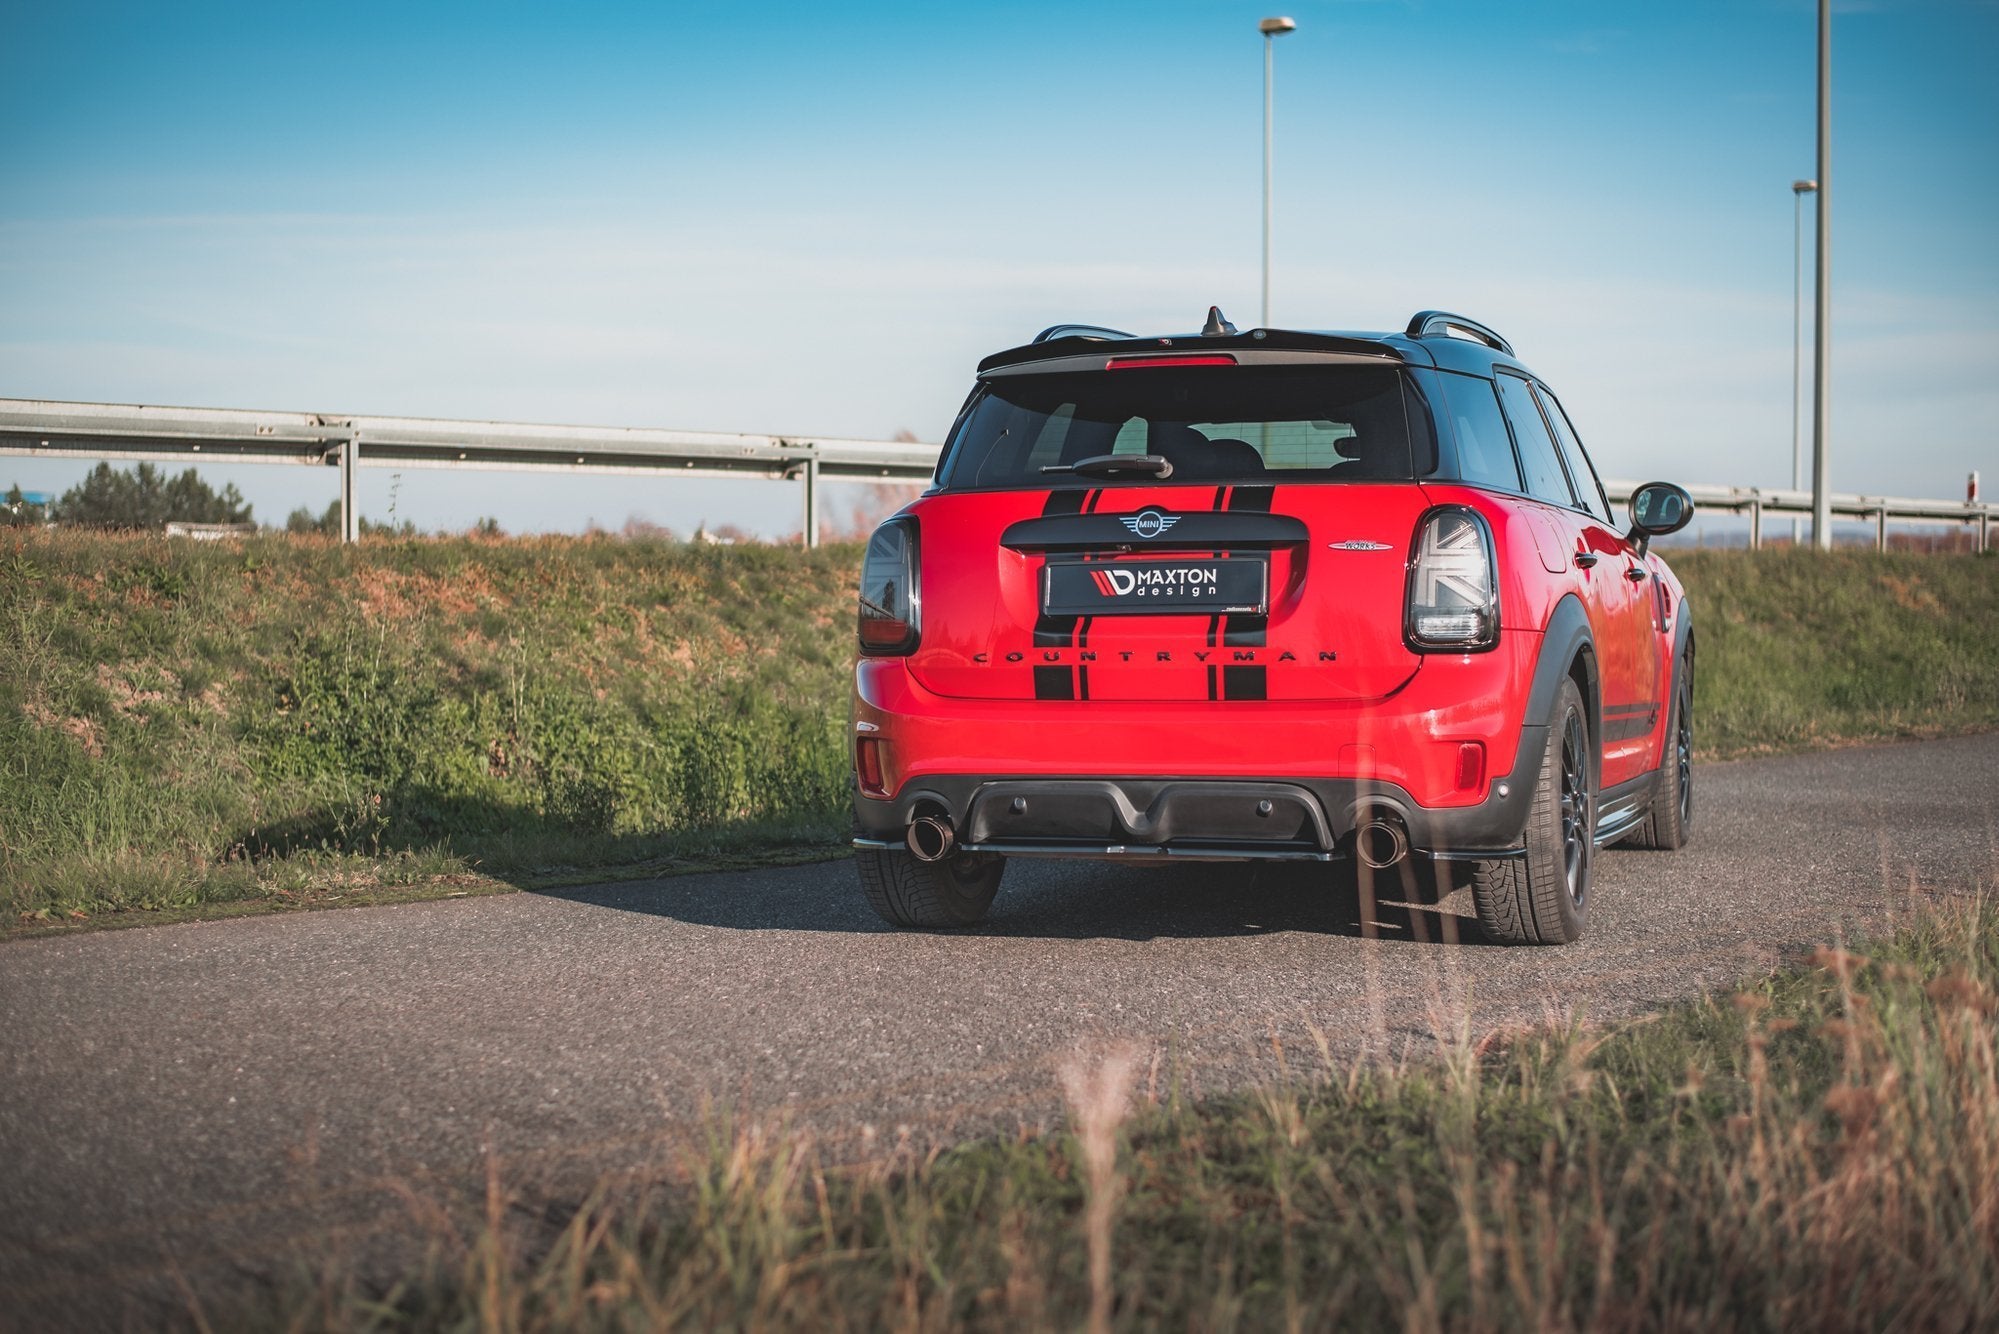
(1567,635)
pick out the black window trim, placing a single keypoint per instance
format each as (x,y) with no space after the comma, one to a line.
(1544,396)
(1575,506)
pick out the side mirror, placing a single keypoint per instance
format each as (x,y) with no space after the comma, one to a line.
(1659,508)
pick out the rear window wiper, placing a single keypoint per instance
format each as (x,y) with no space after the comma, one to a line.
(1110,465)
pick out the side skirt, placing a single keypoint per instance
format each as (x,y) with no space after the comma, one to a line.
(1623,808)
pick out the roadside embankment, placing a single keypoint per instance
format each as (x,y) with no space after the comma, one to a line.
(197,728)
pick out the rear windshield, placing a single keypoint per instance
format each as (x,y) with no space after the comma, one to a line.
(1214,424)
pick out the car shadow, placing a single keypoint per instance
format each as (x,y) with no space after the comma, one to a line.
(1076,901)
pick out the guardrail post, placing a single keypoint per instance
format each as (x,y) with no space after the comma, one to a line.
(1881,529)
(811,479)
(1985,530)
(350,511)
(1756,524)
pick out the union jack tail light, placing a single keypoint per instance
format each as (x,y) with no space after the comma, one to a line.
(891,601)
(1453,602)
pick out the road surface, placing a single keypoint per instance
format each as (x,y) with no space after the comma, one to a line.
(203,1104)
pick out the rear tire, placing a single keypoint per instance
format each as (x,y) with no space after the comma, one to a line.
(910,893)
(1542,898)
(1670,824)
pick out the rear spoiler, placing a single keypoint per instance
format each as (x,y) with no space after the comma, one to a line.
(1065,344)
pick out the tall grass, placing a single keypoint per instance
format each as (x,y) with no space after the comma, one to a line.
(1816,1151)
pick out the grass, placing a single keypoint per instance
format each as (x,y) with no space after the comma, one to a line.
(187,727)
(1801,649)
(186,723)
(1818,1150)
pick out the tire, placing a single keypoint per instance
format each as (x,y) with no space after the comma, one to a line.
(1542,898)
(931,895)
(1670,823)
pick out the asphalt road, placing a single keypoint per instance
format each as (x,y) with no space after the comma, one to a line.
(206,1104)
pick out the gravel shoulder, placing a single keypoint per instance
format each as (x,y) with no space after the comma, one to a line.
(212,1103)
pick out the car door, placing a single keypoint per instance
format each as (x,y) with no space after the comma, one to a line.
(1598,573)
(1629,730)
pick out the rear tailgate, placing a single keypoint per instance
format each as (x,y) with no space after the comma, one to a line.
(1160,592)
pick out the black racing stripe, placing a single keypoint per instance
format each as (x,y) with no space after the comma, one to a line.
(1246,632)
(1251,499)
(1213,691)
(1054,683)
(1054,631)
(1057,631)
(1082,683)
(1221,492)
(1065,502)
(1626,710)
(1244,683)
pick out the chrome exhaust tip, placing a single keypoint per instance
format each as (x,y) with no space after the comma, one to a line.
(931,838)
(1380,843)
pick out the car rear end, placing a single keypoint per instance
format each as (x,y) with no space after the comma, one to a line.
(1190,598)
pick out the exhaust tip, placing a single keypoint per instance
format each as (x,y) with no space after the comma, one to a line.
(1380,843)
(930,838)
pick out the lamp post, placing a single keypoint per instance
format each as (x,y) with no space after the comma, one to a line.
(1822,333)
(1271,30)
(1799,189)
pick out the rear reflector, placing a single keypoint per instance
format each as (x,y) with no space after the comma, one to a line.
(868,765)
(1471,766)
(1140,363)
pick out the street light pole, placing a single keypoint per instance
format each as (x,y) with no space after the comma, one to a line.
(1799,189)
(1822,335)
(1271,30)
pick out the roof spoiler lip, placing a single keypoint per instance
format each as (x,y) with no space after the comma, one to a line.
(1256,340)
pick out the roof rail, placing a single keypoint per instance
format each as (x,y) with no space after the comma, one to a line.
(1425,322)
(1093,331)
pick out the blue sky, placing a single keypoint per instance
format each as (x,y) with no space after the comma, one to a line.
(815,218)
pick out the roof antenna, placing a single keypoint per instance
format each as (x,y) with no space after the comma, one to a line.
(1216,327)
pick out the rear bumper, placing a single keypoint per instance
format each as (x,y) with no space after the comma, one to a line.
(1224,780)
(1190,819)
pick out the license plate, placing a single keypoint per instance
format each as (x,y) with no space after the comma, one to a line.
(1221,586)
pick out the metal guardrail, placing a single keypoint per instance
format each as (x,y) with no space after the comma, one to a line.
(1757,502)
(41,429)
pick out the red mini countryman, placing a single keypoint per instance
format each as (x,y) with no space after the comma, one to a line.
(1269,595)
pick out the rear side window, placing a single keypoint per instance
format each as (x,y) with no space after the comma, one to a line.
(1485,451)
(1538,461)
(1587,484)
(1214,424)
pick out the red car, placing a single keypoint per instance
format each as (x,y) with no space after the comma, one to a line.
(1269,595)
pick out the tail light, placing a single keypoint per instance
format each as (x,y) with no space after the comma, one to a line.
(891,601)
(1453,599)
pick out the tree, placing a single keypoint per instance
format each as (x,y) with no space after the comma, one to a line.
(17,511)
(147,498)
(302,520)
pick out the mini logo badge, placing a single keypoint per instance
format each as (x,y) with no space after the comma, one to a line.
(1148,523)
(1358,544)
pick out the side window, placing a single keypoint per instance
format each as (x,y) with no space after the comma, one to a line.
(1485,453)
(1538,460)
(1588,485)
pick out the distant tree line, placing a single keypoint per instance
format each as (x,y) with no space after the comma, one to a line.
(143,498)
